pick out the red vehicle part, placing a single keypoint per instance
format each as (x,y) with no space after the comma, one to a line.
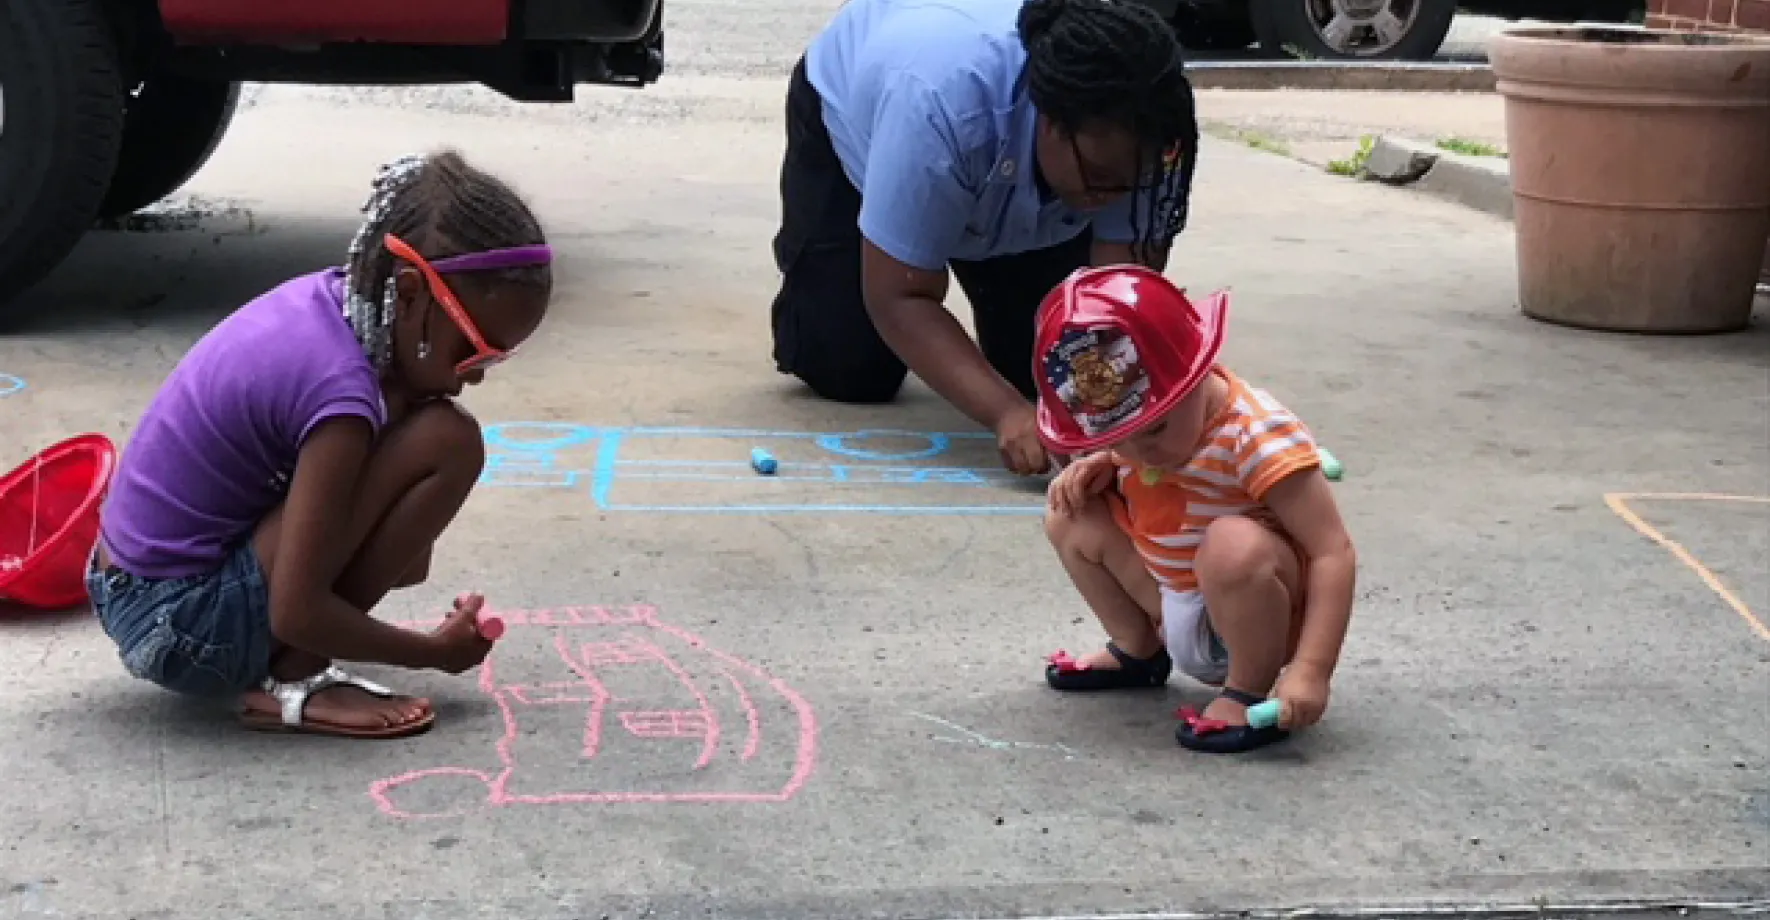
(454,22)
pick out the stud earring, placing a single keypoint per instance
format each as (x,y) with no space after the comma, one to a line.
(423,350)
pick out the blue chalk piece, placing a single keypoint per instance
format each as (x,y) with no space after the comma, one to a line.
(762,461)
(1264,715)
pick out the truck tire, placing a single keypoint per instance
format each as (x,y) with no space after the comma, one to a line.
(1217,27)
(171,125)
(63,99)
(1218,36)
(1408,30)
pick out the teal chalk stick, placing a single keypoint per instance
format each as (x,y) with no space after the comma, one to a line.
(1265,715)
(763,462)
(1330,465)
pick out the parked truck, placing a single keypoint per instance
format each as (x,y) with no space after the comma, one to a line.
(107,106)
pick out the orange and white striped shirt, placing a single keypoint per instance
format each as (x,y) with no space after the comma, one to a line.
(1251,444)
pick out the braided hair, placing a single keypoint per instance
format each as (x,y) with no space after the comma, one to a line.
(442,207)
(1117,62)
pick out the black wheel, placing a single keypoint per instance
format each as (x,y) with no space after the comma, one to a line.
(171,125)
(1212,25)
(1410,30)
(62,124)
(1216,35)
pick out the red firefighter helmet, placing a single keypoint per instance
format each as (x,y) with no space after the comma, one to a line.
(1116,348)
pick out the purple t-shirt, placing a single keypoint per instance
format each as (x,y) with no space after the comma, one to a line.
(215,450)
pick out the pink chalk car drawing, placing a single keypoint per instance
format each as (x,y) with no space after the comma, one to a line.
(619,706)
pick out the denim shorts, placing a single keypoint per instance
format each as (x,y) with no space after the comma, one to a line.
(201,635)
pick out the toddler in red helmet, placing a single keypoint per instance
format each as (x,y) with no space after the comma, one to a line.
(1197,523)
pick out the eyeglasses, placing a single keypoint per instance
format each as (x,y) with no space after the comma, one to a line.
(484,352)
(1090,172)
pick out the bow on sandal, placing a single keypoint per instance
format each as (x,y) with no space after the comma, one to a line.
(1066,673)
(1215,736)
(293,696)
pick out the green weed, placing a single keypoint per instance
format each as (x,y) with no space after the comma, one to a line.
(1470,148)
(1353,166)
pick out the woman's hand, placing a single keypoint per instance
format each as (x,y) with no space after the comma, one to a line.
(906,305)
(1081,481)
(1017,439)
(459,646)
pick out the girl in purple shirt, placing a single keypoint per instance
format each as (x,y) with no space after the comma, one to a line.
(303,457)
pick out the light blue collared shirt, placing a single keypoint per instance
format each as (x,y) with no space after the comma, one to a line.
(927,108)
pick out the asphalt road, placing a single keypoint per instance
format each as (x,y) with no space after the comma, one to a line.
(817,696)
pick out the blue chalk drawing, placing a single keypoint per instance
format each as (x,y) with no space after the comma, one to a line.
(839,444)
(10,384)
(863,464)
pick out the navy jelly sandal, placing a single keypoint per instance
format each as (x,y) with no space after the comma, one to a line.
(1215,736)
(1065,673)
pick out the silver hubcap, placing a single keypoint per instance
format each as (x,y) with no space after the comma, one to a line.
(1362,27)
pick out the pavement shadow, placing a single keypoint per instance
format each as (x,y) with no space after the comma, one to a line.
(18,616)
(182,265)
(1746,348)
(1749,347)
(190,727)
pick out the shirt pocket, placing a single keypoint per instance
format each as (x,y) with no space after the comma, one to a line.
(990,216)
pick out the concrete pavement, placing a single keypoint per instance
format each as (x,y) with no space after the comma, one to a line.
(718,700)
(1320,127)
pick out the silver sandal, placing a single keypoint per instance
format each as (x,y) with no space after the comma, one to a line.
(293,695)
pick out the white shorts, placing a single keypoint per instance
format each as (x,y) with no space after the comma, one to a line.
(1195,647)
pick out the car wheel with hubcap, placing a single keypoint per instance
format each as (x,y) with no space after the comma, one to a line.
(1354,29)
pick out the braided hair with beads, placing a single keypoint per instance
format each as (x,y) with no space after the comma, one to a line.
(442,207)
(1116,62)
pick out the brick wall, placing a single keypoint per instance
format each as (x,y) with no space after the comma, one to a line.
(1709,15)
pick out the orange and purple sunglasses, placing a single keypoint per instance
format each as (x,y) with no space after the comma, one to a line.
(484,353)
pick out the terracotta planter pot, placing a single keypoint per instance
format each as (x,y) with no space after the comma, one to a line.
(1640,173)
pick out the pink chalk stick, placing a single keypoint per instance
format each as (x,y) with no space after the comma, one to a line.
(491,626)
